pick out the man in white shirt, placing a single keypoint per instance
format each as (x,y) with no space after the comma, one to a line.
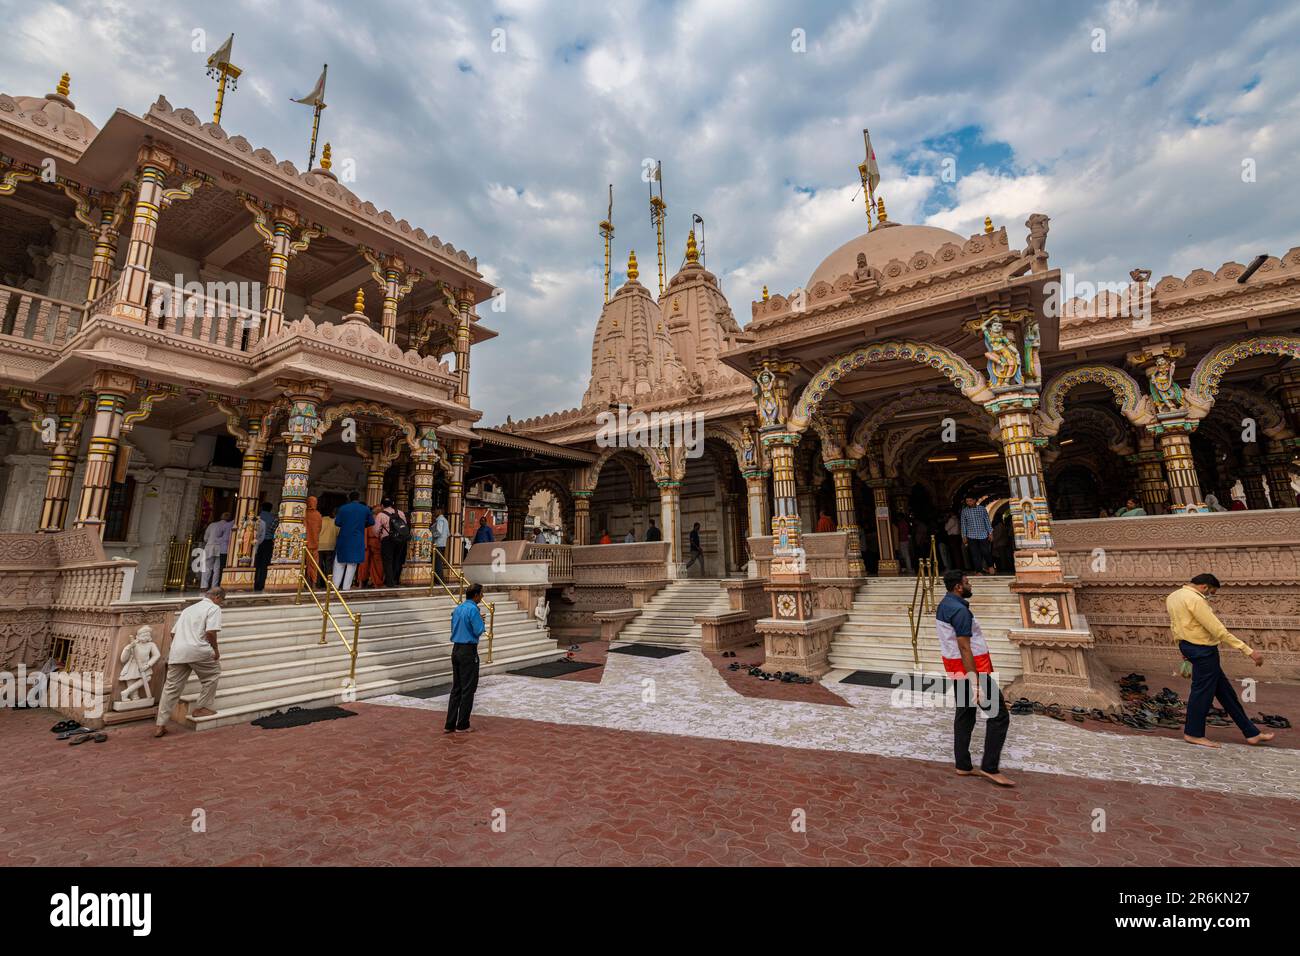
(441,531)
(216,544)
(194,650)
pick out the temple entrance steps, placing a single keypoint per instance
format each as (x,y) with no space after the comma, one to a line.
(877,637)
(272,658)
(668,618)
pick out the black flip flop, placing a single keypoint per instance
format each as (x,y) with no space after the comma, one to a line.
(76,731)
(80,739)
(63,725)
(100,738)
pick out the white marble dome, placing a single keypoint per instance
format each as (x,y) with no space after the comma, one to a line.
(883,243)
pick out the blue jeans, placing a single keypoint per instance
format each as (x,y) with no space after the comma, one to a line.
(1208,682)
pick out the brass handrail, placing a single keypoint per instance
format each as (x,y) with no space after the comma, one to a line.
(435,581)
(327,619)
(927,572)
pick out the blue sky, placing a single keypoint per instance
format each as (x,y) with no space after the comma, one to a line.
(1135,151)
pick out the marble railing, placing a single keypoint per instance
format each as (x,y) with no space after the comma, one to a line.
(204,318)
(38,318)
(617,564)
(559,560)
(1124,568)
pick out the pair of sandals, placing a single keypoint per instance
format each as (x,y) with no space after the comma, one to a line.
(1276,721)
(79,735)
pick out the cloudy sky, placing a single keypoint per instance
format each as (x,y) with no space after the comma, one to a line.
(497,126)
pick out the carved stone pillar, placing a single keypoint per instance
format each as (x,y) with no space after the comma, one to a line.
(1153,490)
(465,305)
(1175,441)
(1277,464)
(402,493)
(278,235)
(456,500)
(846,513)
(1030,517)
(251,427)
(419,552)
(582,517)
(301,434)
(395,281)
(154,164)
(111,390)
(378,451)
(61,419)
(1252,478)
(670,520)
(103,219)
(760,518)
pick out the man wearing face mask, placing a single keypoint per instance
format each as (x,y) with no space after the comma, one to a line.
(1199,633)
(966,659)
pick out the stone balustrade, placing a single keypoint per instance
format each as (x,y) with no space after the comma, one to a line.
(1124,568)
(38,318)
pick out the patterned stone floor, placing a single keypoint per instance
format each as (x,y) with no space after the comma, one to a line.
(686,695)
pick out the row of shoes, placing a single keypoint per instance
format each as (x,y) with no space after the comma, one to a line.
(74,733)
(785,677)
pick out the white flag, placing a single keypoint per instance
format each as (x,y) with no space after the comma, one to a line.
(222,57)
(873,171)
(317,96)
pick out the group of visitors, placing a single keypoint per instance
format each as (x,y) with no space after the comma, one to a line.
(217,540)
(370,544)
(652,533)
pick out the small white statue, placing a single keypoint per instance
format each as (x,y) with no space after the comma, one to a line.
(138,659)
(542,611)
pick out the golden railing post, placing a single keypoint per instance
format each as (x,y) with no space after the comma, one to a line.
(325,615)
(492,614)
(302,576)
(356,643)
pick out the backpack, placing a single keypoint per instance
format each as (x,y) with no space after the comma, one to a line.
(398,529)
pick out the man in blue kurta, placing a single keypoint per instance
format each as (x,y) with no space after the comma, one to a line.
(350,550)
(466,629)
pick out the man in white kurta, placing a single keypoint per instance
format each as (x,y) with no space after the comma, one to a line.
(194,651)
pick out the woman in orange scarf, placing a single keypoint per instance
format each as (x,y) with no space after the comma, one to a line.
(311,520)
(371,573)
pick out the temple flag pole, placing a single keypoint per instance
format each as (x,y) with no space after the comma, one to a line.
(870,173)
(315,98)
(222,70)
(607,232)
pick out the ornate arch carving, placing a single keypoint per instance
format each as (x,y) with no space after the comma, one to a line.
(955,368)
(547,483)
(732,440)
(1209,371)
(590,475)
(409,430)
(1133,403)
(1271,420)
(866,430)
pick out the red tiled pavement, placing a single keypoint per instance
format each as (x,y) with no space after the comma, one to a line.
(387,787)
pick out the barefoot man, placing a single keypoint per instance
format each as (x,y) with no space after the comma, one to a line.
(194,648)
(1199,633)
(966,659)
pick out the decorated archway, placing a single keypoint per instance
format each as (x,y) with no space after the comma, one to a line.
(956,369)
(1133,403)
(867,429)
(1209,372)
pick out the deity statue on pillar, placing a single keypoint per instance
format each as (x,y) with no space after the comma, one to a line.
(1166,393)
(1004,358)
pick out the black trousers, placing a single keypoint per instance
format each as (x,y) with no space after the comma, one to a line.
(262,563)
(1209,682)
(389,550)
(464,681)
(981,553)
(995,734)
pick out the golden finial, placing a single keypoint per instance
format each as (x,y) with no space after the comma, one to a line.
(326,157)
(764,293)
(692,251)
(360,304)
(632,271)
(988,225)
(65,83)
(880,210)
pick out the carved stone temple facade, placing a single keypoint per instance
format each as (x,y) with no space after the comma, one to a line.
(190,326)
(915,368)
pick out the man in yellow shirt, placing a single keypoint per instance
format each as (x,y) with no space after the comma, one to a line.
(1199,634)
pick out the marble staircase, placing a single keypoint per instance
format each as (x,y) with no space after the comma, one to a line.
(668,618)
(272,659)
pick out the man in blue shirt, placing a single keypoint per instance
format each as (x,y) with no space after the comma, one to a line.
(466,629)
(977,536)
(484,532)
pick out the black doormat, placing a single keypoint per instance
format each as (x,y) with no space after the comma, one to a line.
(648,650)
(298,716)
(425,693)
(870,679)
(553,668)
